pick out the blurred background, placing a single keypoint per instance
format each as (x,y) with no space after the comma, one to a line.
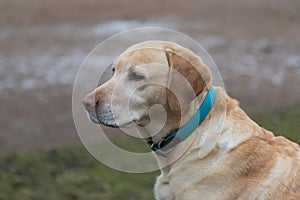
(254,43)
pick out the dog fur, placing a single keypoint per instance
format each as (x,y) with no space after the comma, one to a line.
(228,156)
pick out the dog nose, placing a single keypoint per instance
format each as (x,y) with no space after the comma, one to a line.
(89,101)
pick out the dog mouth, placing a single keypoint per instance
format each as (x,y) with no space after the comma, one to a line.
(92,118)
(107,120)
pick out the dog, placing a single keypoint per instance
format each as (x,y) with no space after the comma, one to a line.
(225,155)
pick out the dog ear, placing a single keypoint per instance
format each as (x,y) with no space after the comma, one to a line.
(188,77)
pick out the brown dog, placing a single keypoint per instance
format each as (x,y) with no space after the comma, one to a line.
(228,156)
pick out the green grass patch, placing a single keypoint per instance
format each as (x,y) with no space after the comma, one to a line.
(285,122)
(68,174)
(71,173)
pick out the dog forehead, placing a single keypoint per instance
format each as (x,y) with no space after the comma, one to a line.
(148,52)
(142,57)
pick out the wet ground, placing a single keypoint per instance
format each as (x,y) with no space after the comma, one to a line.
(255,44)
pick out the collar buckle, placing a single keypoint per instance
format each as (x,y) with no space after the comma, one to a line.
(159,148)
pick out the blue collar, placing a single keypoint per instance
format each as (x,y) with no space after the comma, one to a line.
(166,144)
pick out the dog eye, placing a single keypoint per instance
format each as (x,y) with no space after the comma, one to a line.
(135,76)
(113,69)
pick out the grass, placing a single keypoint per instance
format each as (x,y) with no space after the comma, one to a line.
(70,173)
(285,122)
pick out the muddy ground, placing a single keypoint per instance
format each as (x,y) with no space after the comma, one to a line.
(255,44)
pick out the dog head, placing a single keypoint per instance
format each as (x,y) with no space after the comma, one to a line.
(146,74)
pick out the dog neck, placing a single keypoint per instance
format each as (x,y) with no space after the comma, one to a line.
(174,121)
(193,116)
